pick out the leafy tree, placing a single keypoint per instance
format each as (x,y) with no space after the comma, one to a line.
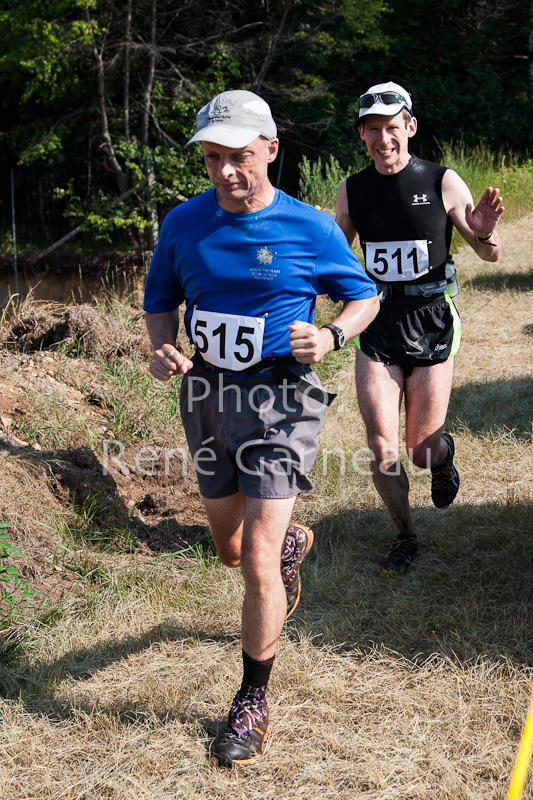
(99,96)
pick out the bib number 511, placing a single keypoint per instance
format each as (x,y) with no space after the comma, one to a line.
(397,261)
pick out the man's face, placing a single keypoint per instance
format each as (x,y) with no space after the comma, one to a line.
(240,176)
(386,140)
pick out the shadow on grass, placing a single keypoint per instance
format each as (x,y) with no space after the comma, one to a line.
(493,407)
(500,281)
(35,685)
(80,474)
(467,596)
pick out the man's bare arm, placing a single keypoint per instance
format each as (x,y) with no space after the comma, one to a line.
(310,344)
(480,222)
(166,360)
(342,216)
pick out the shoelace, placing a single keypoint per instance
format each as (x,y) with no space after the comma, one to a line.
(247,710)
(400,548)
(441,477)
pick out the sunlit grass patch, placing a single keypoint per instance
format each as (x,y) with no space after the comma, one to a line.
(141,407)
(55,422)
(480,167)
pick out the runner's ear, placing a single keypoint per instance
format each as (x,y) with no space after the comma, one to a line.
(412,127)
(272,147)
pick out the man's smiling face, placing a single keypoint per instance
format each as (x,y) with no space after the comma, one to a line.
(386,140)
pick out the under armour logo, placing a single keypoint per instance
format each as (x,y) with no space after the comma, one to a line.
(420,200)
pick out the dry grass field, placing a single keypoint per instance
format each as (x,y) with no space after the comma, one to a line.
(384,688)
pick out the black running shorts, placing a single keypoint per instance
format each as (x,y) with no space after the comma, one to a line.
(413,331)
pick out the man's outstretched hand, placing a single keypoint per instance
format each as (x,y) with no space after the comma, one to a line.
(483,219)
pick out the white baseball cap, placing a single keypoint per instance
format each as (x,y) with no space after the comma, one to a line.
(387,99)
(234,119)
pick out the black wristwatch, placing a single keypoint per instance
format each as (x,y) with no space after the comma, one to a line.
(338,336)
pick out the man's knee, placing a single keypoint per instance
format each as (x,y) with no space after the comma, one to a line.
(385,454)
(257,561)
(230,557)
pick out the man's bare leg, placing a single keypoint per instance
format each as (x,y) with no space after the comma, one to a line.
(226,518)
(250,531)
(427,394)
(255,538)
(265,601)
(379,392)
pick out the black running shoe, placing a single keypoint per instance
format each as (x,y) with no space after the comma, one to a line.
(297,543)
(445,478)
(399,557)
(247,732)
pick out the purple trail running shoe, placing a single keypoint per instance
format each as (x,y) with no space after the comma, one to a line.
(297,543)
(247,732)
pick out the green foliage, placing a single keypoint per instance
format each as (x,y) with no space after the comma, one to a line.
(320,180)
(479,167)
(141,405)
(15,590)
(468,73)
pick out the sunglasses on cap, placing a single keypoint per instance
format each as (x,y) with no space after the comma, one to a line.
(387,98)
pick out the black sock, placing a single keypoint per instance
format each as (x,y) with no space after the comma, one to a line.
(256,673)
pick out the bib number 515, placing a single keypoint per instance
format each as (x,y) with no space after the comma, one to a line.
(244,337)
(228,340)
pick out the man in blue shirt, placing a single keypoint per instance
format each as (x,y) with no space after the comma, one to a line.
(249,261)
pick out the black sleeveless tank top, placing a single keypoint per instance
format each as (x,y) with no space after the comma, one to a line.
(403,226)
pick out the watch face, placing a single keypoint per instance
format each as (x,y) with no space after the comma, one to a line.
(341,338)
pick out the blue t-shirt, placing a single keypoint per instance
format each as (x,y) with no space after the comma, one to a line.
(270,263)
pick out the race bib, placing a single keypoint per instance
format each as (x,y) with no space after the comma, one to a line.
(397,261)
(228,341)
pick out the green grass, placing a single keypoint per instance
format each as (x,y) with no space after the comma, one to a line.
(335,361)
(55,423)
(320,180)
(91,525)
(141,406)
(480,167)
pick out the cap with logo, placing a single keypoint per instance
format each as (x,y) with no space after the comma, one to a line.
(387,99)
(234,119)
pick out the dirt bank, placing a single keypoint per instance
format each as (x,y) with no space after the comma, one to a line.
(79,442)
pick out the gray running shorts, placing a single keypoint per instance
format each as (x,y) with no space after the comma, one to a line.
(252,434)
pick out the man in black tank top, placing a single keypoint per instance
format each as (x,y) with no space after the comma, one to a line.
(403,209)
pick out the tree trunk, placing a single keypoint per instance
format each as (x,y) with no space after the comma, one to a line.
(127,73)
(272,46)
(121,178)
(148,159)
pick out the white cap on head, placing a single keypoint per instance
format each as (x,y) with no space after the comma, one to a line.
(234,119)
(387,99)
